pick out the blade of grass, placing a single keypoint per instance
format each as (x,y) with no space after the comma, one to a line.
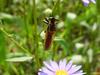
(8,35)
(28,27)
(56,8)
(35,35)
(2,3)
(2,48)
(98,17)
(96,43)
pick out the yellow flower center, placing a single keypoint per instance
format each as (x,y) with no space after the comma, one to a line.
(61,72)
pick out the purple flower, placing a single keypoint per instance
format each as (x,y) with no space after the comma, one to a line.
(86,2)
(60,68)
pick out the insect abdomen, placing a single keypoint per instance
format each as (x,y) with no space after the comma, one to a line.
(48,39)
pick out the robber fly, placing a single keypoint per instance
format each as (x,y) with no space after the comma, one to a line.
(50,31)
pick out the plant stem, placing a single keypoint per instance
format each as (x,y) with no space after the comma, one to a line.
(35,36)
(98,17)
(97,41)
(9,35)
(56,8)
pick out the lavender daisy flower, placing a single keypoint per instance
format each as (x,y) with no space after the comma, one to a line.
(60,68)
(86,2)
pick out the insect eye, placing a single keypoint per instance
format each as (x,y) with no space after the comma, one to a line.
(53,19)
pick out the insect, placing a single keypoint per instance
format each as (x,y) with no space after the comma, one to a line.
(50,31)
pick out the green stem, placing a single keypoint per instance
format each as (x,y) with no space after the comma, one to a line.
(98,25)
(9,35)
(2,4)
(98,16)
(35,36)
(56,8)
(28,27)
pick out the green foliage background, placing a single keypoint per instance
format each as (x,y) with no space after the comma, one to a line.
(77,37)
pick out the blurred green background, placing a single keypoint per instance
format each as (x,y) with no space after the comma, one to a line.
(77,36)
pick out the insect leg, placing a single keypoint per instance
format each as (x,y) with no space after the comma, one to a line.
(46,21)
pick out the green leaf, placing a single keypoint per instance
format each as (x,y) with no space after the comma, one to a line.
(2,47)
(10,19)
(19,59)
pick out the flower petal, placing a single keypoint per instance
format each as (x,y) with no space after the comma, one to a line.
(48,72)
(74,69)
(86,2)
(69,65)
(93,1)
(62,64)
(41,73)
(80,72)
(54,65)
(48,66)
